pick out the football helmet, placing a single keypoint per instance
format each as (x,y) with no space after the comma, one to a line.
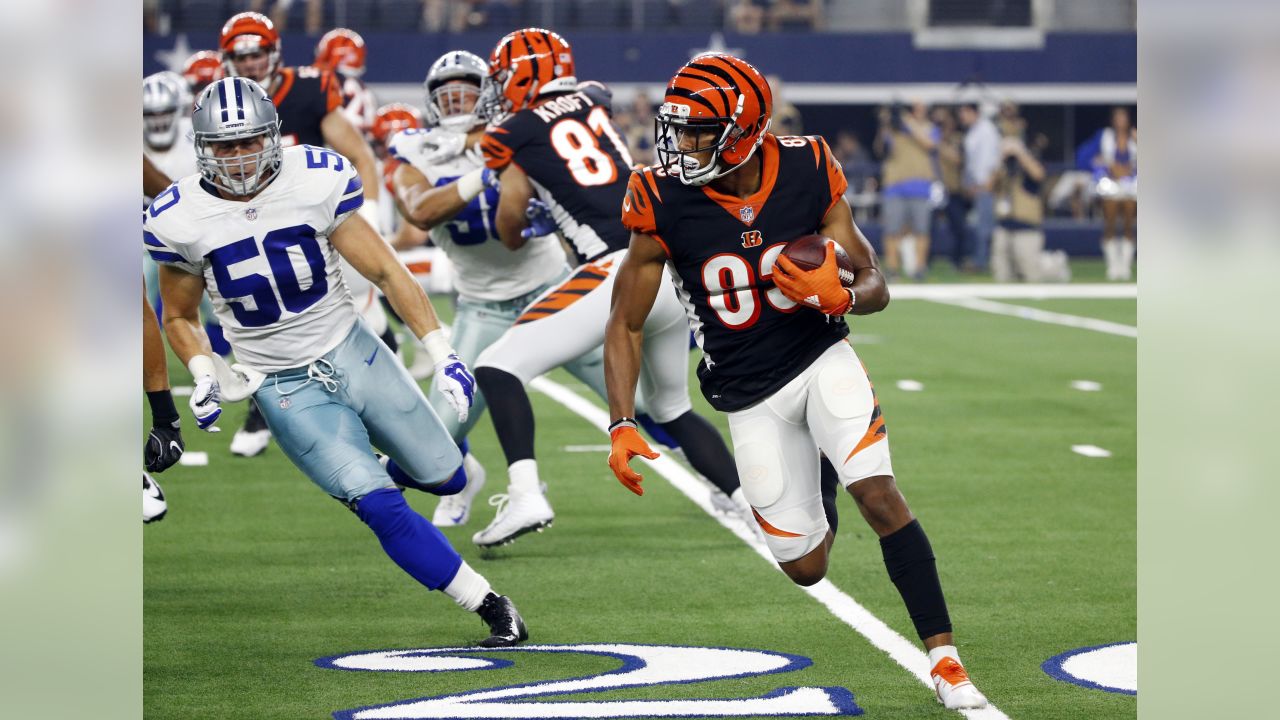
(247,33)
(342,51)
(231,109)
(525,65)
(161,106)
(202,68)
(446,99)
(718,95)
(392,118)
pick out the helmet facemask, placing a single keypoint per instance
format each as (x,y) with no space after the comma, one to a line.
(160,128)
(673,121)
(445,102)
(247,45)
(245,174)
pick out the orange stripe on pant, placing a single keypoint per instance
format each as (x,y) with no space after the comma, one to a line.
(771,530)
(875,433)
(567,294)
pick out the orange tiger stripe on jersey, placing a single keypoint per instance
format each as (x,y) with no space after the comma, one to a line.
(496,155)
(637,209)
(569,292)
(836,180)
(771,530)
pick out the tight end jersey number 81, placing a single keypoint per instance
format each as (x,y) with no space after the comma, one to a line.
(579,145)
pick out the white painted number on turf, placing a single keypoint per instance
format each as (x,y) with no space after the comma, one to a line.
(642,666)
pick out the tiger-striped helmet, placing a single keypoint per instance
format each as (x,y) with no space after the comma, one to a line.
(525,65)
(721,94)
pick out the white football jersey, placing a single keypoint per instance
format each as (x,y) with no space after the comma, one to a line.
(267,264)
(484,269)
(179,160)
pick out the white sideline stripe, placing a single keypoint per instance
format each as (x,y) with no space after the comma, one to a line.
(910,385)
(1086,385)
(194,458)
(1017,291)
(1038,315)
(1090,451)
(587,448)
(840,604)
(182,390)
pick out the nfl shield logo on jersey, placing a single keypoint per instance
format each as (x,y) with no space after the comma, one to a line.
(747,213)
(251,214)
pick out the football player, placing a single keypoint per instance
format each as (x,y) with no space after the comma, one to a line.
(164,443)
(717,212)
(558,143)
(389,120)
(261,227)
(442,185)
(342,52)
(309,102)
(202,68)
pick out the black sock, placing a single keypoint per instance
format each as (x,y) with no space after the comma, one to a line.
(510,410)
(830,484)
(389,337)
(910,562)
(706,450)
(163,413)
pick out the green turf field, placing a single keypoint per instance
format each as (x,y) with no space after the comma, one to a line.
(255,573)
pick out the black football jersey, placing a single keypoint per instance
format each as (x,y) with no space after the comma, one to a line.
(577,161)
(721,251)
(304,97)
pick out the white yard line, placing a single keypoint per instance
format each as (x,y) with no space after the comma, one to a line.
(903,651)
(1017,291)
(1044,316)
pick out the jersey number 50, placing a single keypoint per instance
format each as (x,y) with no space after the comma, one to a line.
(579,146)
(257,287)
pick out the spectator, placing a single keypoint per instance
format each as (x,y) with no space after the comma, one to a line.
(1018,239)
(907,141)
(747,16)
(795,15)
(786,116)
(981,158)
(279,13)
(1116,169)
(951,172)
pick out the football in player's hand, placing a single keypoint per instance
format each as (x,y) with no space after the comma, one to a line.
(808,252)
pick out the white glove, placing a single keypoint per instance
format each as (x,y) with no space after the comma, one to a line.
(452,377)
(206,398)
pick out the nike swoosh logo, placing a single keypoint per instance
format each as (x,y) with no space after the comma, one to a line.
(173,445)
(371,357)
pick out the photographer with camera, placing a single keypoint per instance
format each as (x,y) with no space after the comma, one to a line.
(906,142)
(981,160)
(1018,239)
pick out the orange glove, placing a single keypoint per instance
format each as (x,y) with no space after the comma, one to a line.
(819,288)
(627,443)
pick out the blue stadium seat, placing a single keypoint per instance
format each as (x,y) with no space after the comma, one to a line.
(552,14)
(199,15)
(699,14)
(601,15)
(399,14)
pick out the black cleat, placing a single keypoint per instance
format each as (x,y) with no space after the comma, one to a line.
(504,621)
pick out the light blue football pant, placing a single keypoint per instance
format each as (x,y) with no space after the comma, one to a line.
(326,415)
(477,325)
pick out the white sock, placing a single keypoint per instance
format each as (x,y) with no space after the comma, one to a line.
(468,588)
(936,654)
(1126,253)
(1111,251)
(524,476)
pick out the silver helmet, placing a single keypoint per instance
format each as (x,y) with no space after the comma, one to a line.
(161,107)
(443,95)
(230,109)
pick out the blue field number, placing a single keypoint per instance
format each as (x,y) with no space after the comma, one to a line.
(266,296)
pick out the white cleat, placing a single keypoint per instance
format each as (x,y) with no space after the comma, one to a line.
(518,513)
(247,443)
(153,505)
(455,509)
(954,688)
(721,503)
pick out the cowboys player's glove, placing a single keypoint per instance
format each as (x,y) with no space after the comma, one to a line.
(164,447)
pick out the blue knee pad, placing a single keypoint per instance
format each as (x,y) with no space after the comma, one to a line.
(409,539)
(452,486)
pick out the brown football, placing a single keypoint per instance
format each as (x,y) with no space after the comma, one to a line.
(808,251)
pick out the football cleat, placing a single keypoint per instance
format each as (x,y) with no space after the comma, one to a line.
(253,437)
(954,688)
(153,505)
(506,627)
(518,513)
(455,509)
